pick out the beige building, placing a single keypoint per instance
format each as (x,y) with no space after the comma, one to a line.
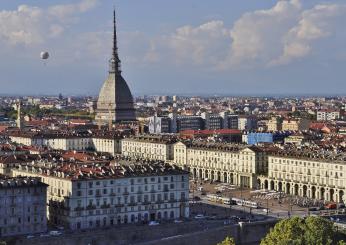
(86,196)
(148,147)
(22,206)
(273,124)
(295,124)
(238,165)
(306,174)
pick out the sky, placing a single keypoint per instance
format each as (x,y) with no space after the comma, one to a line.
(228,47)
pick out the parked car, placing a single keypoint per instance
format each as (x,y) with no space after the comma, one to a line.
(55,233)
(199,216)
(178,221)
(331,205)
(153,223)
(30,236)
(196,198)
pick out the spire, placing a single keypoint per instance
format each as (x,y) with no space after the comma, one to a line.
(114,62)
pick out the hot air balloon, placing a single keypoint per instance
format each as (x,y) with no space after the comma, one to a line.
(44,55)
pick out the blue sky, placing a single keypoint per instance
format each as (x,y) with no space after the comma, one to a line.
(175,47)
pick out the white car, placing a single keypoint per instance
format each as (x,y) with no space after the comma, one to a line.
(30,236)
(55,233)
(199,216)
(178,221)
(153,223)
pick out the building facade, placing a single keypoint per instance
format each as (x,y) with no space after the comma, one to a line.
(148,147)
(327,115)
(22,206)
(222,162)
(87,197)
(306,176)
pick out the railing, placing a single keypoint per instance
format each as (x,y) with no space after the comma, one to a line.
(89,207)
(105,206)
(126,193)
(79,209)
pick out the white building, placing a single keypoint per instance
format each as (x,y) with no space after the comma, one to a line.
(105,142)
(327,115)
(86,196)
(306,174)
(222,162)
(148,147)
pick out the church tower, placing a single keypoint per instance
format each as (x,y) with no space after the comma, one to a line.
(115,102)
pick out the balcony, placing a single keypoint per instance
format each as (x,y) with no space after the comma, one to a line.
(119,205)
(152,191)
(146,203)
(132,204)
(172,200)
(104,206)
(97,194)
(79,209)
(159,201)
(126,193)
(112,194)
(90,207)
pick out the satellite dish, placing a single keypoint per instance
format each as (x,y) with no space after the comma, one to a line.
(44,55)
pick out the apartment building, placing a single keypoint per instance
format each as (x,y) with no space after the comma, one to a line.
(22,206)
(295,124)
(102,141)
(92,196)
(305,173)
(235,164)
(274,124)
(327,115)
(148,147)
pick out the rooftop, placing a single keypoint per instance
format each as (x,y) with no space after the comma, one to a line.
(11,182)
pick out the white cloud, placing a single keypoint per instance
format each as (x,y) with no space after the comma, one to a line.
(199,44)
(67,10)
(256,36)
(315,24)
(33,25)
(275,36)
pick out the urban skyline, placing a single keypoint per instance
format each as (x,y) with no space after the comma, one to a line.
(153,50)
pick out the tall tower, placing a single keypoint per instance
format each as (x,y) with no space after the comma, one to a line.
(19,121)
(115,102)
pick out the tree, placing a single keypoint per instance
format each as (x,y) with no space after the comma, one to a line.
(227,241)
(298,231)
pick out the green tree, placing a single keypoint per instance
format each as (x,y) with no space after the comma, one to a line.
(227,241)
(298,231)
